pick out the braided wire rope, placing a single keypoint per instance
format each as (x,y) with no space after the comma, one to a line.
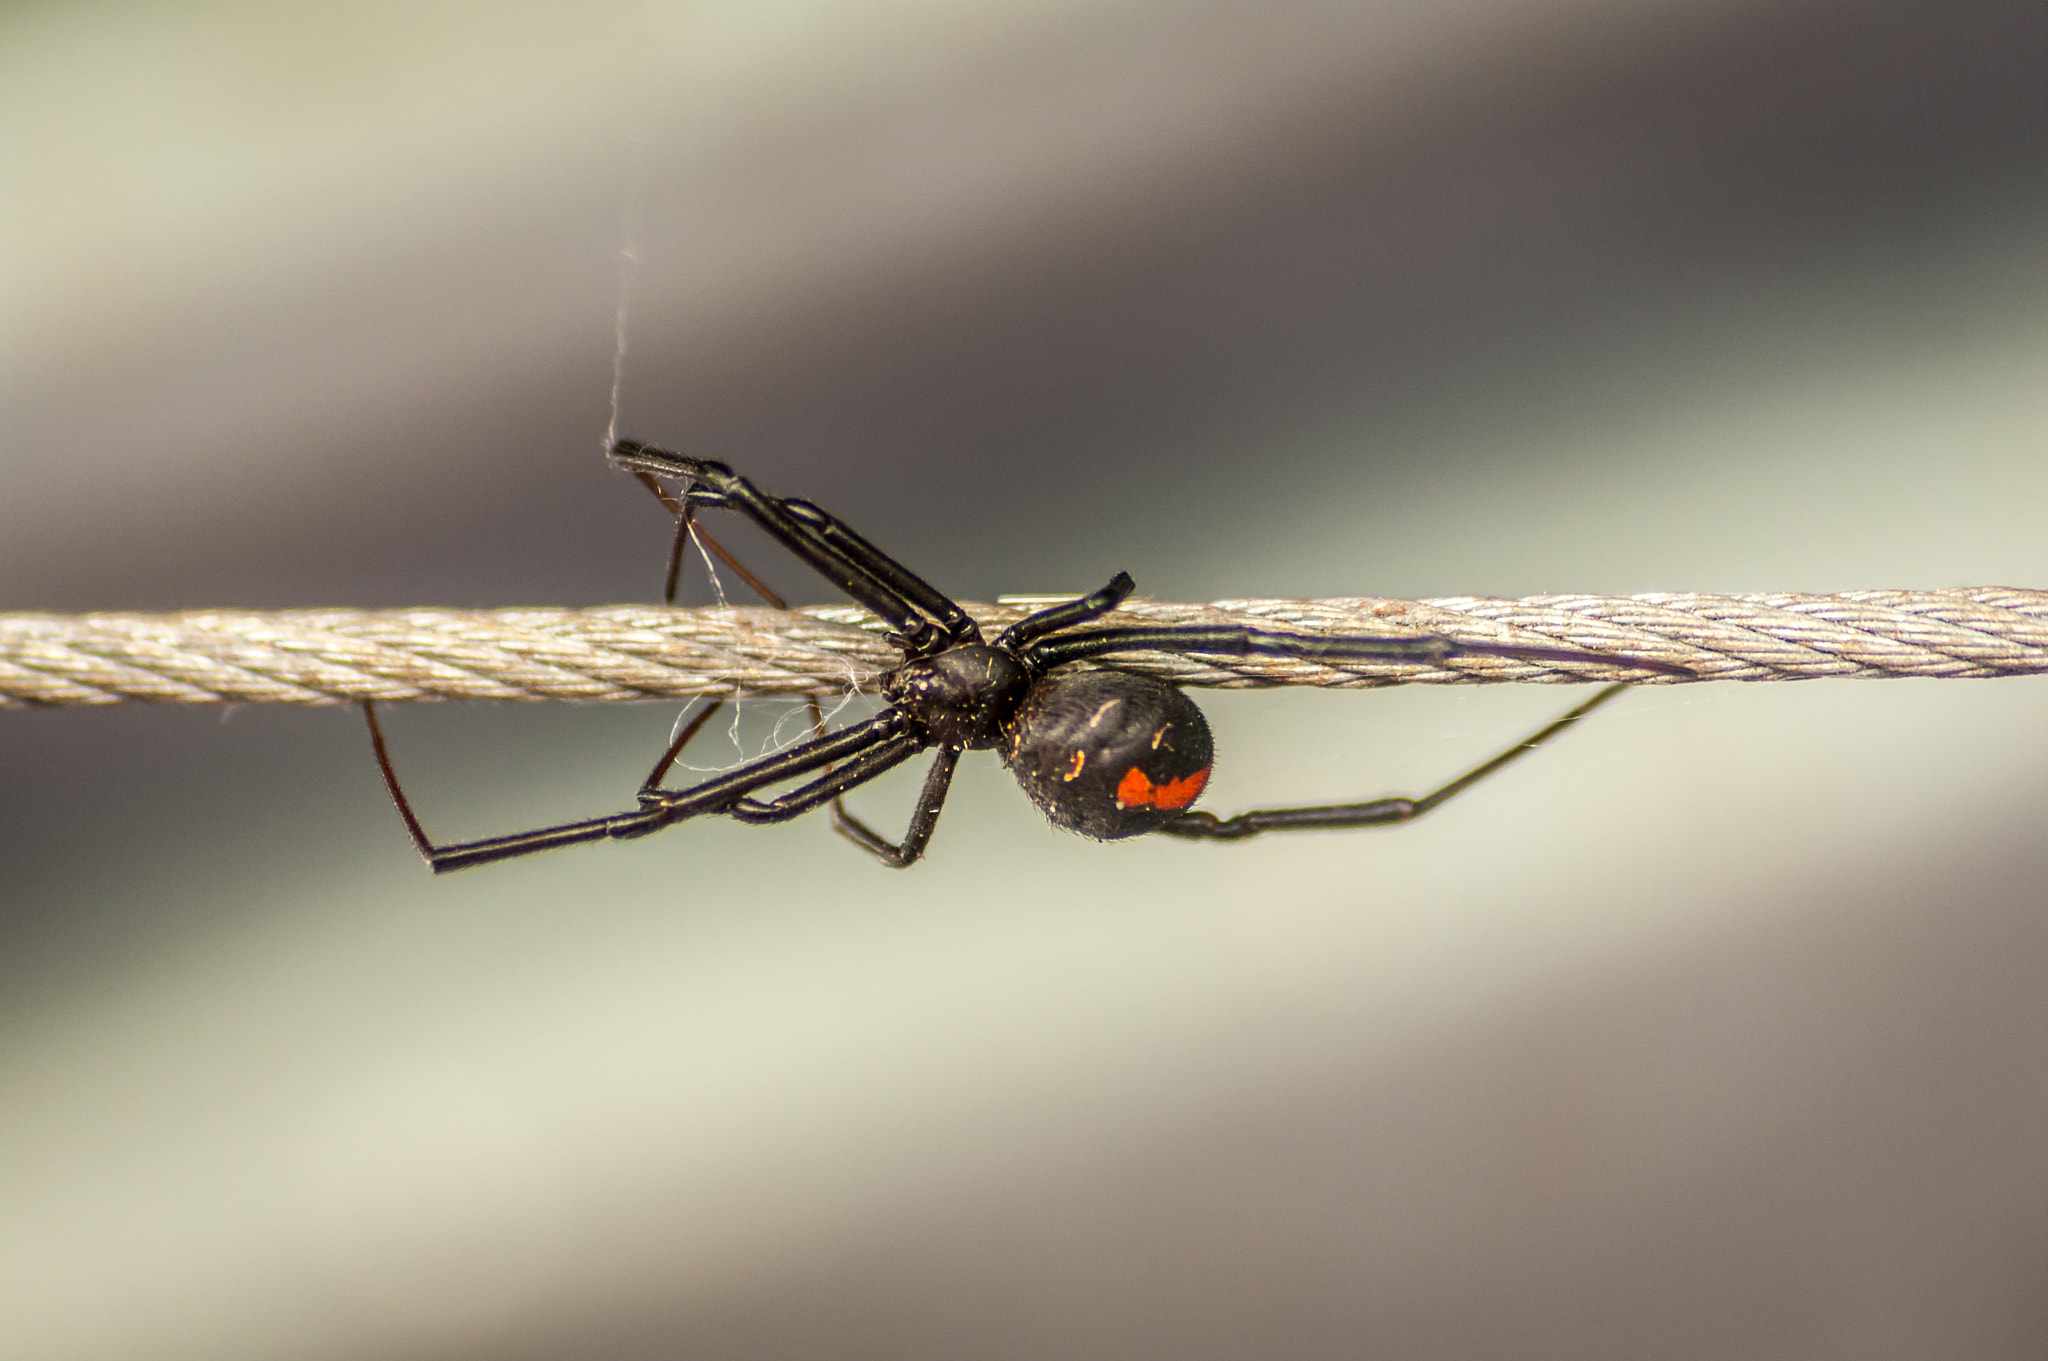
(628,652)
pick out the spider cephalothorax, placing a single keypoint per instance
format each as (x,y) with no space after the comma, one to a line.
(1104,752)
(962,697)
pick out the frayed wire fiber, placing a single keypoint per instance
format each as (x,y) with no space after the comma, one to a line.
(628,652)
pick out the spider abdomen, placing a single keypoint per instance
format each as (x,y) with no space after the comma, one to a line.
(1108,754)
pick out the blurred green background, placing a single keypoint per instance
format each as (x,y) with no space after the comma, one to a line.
(1717,1029)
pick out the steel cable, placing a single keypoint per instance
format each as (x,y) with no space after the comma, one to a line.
(628,652)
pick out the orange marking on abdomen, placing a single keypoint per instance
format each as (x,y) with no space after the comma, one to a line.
(1136,790)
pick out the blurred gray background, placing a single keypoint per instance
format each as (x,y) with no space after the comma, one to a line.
(1720,1028)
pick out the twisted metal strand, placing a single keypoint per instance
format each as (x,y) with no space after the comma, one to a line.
(626,652)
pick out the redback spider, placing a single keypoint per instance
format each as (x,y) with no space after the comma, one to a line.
(1102,752)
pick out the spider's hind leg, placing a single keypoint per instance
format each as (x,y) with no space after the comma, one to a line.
(1196,825)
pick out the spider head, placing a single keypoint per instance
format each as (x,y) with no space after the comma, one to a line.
(1108,754)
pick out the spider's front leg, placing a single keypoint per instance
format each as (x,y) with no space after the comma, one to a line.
(1196,825)
(443,857)
(867,749)
(923,619)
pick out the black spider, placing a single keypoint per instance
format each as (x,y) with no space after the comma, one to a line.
(1105,753)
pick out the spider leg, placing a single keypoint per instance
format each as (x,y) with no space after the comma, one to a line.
(460,855)
(827,788)
(951,620)
(1234,641)
(686,527)
(833,784)
(1077,611)
(911,849)
(1203,826)
(660,808)
(901,854)
(690,730)
(922,618)
(842,820)
(722,793)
